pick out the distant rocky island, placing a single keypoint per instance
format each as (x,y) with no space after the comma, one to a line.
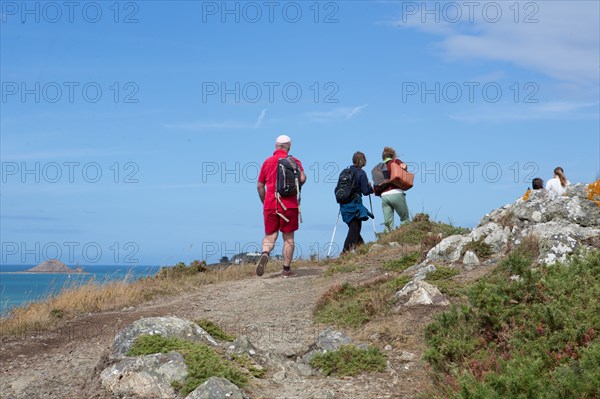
(54,266)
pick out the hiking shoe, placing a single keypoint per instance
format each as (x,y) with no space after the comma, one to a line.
(262,262)
(288,273)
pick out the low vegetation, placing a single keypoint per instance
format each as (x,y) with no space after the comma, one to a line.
(202,361)
(214,330)
(421,231)
(415,239)
(526,332)
(406,261)
(98,296)
(480,248)
(348,305)
(349,360)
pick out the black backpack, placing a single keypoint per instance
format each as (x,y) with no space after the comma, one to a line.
(344,190)
(288,177)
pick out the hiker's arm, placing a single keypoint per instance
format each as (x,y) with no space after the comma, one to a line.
(302,177)
(261,191)
(365,185)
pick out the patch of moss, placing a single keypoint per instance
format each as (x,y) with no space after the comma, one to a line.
(214,330)
(201,360)
(245,361)
(349,360)
(406,261)
(442,273)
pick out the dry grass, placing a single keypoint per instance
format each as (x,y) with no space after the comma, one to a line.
(94,296)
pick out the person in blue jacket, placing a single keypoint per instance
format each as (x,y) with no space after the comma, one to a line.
(354,212)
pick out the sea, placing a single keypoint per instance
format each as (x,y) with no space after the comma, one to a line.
(17,288)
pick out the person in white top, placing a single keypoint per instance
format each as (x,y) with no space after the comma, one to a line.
(559,183)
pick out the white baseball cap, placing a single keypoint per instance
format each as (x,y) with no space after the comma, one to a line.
(283,139)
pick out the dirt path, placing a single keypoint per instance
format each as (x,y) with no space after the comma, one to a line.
(275,313)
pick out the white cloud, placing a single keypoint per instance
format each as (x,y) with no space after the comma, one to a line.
(336,114)
(563,44)
(219,125)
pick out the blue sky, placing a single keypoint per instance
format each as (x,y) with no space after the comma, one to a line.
(133,131)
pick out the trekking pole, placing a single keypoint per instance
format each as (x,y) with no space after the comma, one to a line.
(371,203)
(333,235)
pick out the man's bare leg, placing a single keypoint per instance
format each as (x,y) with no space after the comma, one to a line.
(288,248)
(267,246)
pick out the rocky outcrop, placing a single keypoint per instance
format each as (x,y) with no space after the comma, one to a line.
(165,326)
(148,376)
(561,225)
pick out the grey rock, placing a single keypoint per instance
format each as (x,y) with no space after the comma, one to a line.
(302,369)
(423,272)
(331,340)
(470,259)
(145,376)
(394,244)
(309,356)
(164,326)
(217,388)
(557,239)
(447,249)
(241,345)
(421,293)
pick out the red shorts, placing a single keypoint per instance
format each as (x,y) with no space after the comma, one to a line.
(274,222)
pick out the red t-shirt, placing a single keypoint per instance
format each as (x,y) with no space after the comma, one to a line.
(268,176)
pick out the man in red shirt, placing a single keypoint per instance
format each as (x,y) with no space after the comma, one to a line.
(278,216)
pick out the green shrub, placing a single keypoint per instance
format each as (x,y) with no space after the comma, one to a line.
(181,270)
(202,361)
(480,248)
(214,330)
(349,360)
(403,263)
(442,273)
(534,336)
(398,283)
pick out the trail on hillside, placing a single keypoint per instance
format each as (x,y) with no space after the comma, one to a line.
(275,313)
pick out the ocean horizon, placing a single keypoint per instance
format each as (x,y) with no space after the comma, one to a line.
(18,287)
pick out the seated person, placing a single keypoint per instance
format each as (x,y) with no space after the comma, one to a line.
(537,184)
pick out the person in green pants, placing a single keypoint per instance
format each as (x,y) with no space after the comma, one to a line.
(393,199)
